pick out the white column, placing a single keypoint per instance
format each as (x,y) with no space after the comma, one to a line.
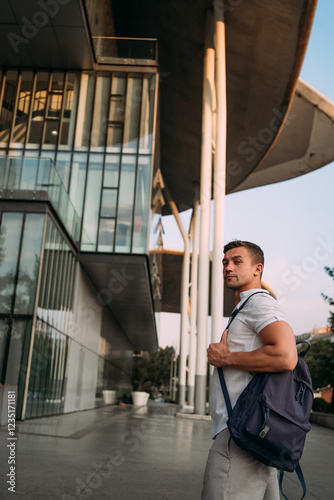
(205,197)
(219,182)
(184,300)
(193,306)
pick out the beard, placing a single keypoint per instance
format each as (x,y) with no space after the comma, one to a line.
(232,283)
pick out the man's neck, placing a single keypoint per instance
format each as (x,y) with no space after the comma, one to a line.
(236,296)
(239,291)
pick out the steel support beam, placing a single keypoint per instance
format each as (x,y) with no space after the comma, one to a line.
(184,342)
(205,197)
(219,180)
(193,306)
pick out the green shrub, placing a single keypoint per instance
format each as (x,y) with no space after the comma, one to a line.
(320,405)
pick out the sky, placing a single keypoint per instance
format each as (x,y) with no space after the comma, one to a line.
(292,221)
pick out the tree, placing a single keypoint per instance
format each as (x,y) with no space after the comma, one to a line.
(330,300)
(320,360)
(152,370)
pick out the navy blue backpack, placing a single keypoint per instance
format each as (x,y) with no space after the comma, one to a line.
(270,419)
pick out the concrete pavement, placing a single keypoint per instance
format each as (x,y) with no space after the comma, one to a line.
(126,453)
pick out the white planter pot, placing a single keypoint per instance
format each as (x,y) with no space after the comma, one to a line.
(140,398)
(109,397)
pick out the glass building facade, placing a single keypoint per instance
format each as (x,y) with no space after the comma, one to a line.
(76,162)
(97,129)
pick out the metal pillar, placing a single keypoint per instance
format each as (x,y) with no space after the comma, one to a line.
(219,181)
(205,197)
(193,306)
(184,300)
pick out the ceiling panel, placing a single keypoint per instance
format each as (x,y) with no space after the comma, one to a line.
(123,286)
(44,35)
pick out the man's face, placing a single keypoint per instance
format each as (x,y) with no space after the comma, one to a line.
(239,272)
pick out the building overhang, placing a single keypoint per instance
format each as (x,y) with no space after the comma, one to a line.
(265,46)
(38,34)
(305,143)
(123,287)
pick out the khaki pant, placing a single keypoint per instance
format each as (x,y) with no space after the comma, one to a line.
(232,474)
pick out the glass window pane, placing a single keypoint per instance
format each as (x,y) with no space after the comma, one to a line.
(50,155)
(77,182)
(114,138)
(10,235)
(54,272)
(125,204)
(109,201)
(118,84)
(42,299)
(70,295)
(55,96)
(50,250)
(92,202)
(147,115)
(85,109)
(29,264)
(14,173)
(70,106)
(3,343)
(15,352)
(4,170)
(29,173)
(38,110)
(60,279)
(142,205)
(44,172)
(111,171)
(7,109)
(37,365)
(63,165)
(117,109)
(102,96)
(44,355)
(45,394)
(106,235)
(51,132)
(23,106)
(132,111)
(65,283)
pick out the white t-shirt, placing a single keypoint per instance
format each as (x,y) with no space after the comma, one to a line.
(260,311)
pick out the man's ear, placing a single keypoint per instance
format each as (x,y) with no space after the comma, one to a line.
(258,269)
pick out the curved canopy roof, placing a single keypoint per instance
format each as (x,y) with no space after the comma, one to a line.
(305,143)
(265,46)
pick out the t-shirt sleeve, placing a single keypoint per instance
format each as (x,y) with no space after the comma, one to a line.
(263,310)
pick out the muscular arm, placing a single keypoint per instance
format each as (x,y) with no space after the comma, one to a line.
(278,353)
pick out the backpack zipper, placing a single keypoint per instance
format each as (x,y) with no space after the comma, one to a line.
(301,393)
(265,428)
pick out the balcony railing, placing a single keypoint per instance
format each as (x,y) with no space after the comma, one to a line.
(127,51)
(31,179)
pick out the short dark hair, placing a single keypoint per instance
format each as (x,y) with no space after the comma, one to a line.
(254,250)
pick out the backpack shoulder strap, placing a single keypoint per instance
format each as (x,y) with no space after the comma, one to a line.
(220,370)
(238,309)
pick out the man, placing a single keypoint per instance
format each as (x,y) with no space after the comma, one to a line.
(258,340)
